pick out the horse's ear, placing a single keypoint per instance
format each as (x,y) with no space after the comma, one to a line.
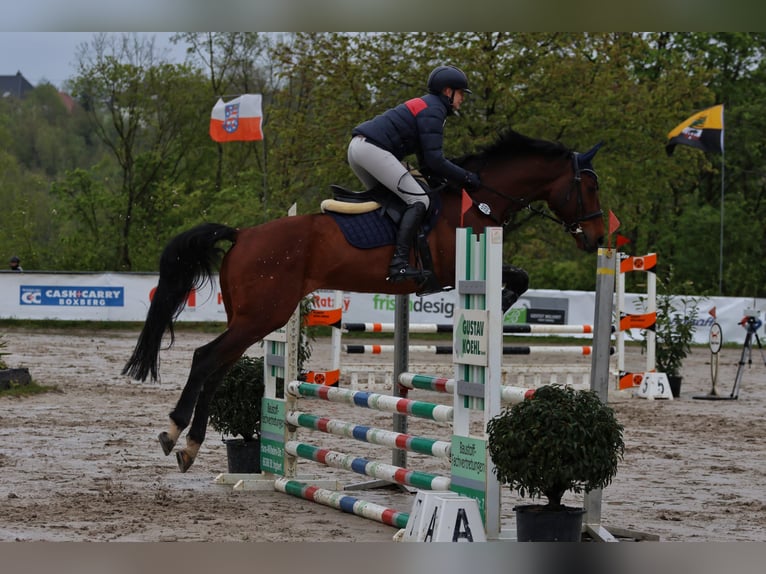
(588,155)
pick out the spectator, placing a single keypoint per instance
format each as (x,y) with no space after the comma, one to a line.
(16,264)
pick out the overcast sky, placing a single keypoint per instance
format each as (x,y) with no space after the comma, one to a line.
(51,56)
(374,15)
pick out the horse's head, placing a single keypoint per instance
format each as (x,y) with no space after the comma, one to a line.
(517,171)
(580,210)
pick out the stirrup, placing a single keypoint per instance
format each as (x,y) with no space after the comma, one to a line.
(404,274)
(429,285)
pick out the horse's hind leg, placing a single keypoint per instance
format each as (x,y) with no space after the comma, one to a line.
(196,435)
(211,363)
(182,413)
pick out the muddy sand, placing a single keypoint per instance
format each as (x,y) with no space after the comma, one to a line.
(83,463)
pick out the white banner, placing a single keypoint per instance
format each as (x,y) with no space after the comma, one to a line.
(95,297)
(126,297)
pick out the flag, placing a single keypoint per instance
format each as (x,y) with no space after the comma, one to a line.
(614,223)
(704,130)
(622,240)
(237,120)
(465,204)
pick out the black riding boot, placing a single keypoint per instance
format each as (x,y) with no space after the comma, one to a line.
(399,269)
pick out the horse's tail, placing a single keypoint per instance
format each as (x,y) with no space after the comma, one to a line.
(187,262)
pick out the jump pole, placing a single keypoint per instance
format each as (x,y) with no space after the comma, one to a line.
(401,364)
(400,348)
(581,350)
(510,329)
(340,327)
(476,388)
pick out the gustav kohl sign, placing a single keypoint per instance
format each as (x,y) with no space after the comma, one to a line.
(470,345)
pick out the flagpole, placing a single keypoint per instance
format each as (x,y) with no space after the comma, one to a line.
(691,132)
(720,254)
(723,171)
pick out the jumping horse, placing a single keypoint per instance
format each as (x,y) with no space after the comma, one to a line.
(269,268)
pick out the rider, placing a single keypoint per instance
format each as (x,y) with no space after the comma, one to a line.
(415,126)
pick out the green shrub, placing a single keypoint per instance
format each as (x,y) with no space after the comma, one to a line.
(236,406)
(560,439)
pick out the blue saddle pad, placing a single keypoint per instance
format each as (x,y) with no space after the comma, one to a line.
(366,230)
(375,229)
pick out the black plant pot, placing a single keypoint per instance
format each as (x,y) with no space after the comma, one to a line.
(675,385)
(244,457)
(538,523)
(14,376)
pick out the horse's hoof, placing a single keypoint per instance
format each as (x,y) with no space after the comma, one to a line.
(508,299)
(184,460)
(166,443)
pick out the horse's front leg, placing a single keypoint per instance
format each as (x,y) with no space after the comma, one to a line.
(515,284)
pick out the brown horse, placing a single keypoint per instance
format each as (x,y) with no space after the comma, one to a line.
(269,268)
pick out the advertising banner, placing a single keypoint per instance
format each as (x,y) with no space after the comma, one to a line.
(126,297)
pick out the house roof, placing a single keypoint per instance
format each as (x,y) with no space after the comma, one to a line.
(16,86)
(67,100)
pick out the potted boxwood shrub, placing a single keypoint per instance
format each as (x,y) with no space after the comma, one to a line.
(11,377)
(235,412)
(674,332)
(558,440)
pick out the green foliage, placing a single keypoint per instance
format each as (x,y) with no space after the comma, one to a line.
(674,329)
(103,186)
(147,116)
(559,440)
(236,406)
(27,390)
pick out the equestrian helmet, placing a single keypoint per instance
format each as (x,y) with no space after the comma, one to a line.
(447,77)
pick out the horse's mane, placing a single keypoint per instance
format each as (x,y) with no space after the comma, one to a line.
(513,144)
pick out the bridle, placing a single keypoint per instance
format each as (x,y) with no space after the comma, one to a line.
(574,228)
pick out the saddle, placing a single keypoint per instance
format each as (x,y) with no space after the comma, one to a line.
(351,202)
(370,219)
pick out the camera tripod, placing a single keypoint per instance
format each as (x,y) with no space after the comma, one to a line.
(752,327)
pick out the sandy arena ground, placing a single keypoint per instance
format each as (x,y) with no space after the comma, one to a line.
(84,464)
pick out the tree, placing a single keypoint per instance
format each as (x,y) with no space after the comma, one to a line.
(106,186)
(149,116)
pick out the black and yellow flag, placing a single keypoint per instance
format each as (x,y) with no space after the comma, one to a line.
(704,130)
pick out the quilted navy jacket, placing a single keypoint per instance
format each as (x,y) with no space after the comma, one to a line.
(415,126)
